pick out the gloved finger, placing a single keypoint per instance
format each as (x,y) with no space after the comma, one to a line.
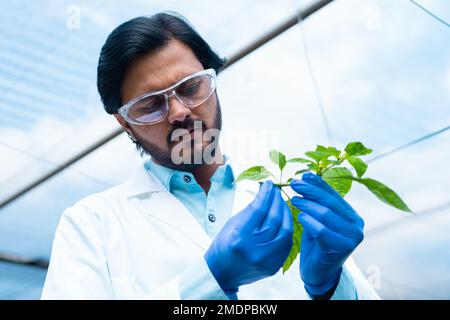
(317,194)
(287,225)
(257,210)
(288,222)
(324,237)
(274,218)
(282,243)
(307,241)
(325,216)
(319,182)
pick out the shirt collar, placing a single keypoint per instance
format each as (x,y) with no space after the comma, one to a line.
(166,176)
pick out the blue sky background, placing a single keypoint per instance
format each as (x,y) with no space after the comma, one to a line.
(383,73)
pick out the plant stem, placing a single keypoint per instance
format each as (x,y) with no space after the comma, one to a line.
(320,174)
(333,165)
(282,184)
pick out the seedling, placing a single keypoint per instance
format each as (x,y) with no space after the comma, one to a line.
(333,166)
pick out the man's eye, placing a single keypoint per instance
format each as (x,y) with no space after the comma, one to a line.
(149,107)
(149,104)
(191,88)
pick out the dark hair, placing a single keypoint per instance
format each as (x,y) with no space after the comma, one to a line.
(142,35)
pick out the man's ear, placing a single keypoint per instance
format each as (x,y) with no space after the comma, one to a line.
(125,125)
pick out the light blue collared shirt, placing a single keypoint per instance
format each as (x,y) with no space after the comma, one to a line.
(211,211)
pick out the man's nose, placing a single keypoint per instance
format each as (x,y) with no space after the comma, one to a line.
(177,111)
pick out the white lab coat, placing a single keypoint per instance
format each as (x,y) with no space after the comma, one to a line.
(134,241)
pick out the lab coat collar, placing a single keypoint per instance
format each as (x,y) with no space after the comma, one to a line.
(142,182)
(155,199)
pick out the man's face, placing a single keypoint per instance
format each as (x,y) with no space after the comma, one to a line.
(159,70)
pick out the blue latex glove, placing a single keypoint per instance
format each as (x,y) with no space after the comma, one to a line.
(254,243)
(331,231)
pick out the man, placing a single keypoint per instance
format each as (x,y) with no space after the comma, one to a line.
(181,227)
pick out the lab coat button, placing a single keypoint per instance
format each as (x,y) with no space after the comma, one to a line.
(187,179)
(211,217)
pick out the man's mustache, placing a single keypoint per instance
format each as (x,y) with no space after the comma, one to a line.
(188,124)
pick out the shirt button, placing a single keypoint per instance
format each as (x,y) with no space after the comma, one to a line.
(187,179)
(211,217)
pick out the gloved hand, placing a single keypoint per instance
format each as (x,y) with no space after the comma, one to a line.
(331,231)
(254,243)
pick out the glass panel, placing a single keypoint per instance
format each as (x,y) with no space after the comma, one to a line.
(49,106)
(382,80)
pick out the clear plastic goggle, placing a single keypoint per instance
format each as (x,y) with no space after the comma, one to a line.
(153,107)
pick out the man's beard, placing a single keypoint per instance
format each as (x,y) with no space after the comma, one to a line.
(164,157)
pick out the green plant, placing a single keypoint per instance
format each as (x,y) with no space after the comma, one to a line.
(329,163)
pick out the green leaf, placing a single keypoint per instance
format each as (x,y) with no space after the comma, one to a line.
(278,158)
(317,155)
(254,173)
(323,153)
(336,178)
(384,193)
(328,162)
(357,149)
(313,167)
(296,237)
(332,151)
(302,171)
(300,160)
(359,165)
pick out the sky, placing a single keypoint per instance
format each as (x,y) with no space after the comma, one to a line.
(382,70)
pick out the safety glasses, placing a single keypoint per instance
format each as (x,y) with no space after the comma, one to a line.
(153,107)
